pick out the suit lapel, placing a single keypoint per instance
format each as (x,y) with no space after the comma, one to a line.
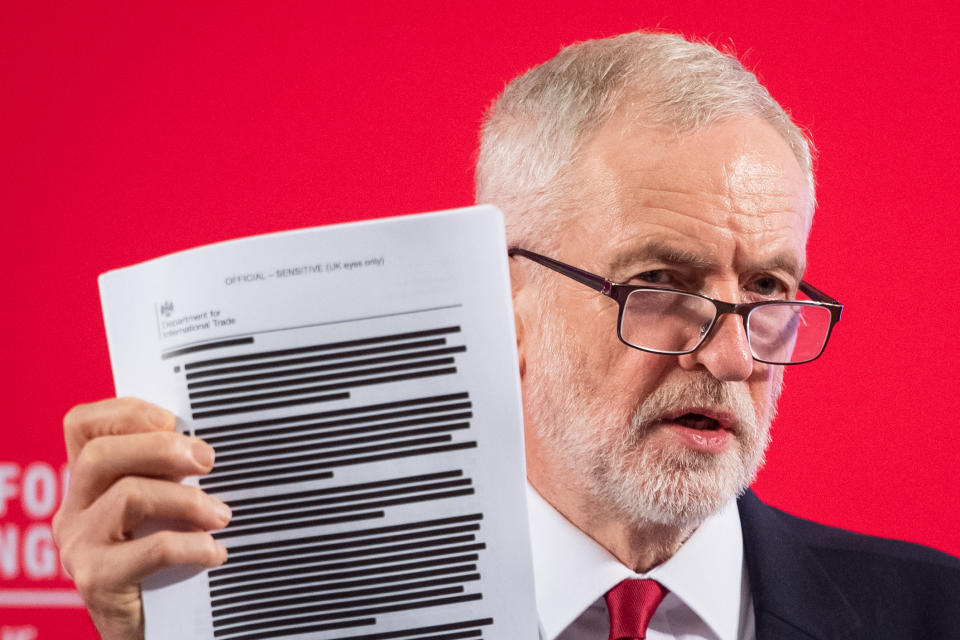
(793,596)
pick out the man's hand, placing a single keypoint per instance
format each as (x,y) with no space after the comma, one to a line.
(125,462)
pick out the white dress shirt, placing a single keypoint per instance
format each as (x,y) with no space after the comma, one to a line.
(709,594)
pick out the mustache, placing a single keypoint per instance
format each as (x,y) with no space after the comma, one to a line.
(704,392)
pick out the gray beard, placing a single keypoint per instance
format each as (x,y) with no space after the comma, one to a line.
(616,470)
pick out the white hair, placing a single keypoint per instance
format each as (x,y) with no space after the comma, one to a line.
(534,131)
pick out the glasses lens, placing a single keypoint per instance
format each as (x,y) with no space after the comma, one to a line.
(787,333)
(666,321)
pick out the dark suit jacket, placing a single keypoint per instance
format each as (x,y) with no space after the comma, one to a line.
(810,581)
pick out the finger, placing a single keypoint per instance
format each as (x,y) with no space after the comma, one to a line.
(159,454)
(132,501)
(120,567)
(171,548)
(114,416)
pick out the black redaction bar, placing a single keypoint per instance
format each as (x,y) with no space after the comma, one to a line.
(343,395)
(306,515)
(252,604)
(203,432)
(320,368)
(385,562)
(276,463)
(364,543)
(324,387)
(290,382)
(322,347)
(260,592)
(435,629)
(348,535)
(353,553)
(260,478)
(317,441)
(314,500)
(233,342)
(428,567)
(241,439)
(275,631)
(312,431)
(346,488)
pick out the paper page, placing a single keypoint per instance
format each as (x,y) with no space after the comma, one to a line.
(359,384)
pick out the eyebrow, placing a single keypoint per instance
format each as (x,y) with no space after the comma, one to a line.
(781,261)
(668,254)
(660,252)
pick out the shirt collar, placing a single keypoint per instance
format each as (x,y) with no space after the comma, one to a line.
(571,570)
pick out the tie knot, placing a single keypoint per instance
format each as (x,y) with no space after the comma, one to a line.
(631,605)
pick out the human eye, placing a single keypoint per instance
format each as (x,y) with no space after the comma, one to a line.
(768,287)
(668,279)
(657,278)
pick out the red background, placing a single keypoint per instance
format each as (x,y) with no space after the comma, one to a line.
(129,131)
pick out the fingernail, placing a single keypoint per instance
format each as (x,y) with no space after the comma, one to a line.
(222,510)
(160,417)
(202,453)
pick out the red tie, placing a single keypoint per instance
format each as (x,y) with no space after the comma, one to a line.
(631,605)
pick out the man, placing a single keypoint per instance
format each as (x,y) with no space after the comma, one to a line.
(660,173)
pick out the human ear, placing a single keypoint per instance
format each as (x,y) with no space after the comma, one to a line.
(521,356)
(516,289)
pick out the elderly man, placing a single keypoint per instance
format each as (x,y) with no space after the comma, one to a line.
(658,202)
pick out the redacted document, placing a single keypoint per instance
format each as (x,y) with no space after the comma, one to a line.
(359,384)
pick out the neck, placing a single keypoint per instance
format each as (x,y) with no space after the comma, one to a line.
(641,546)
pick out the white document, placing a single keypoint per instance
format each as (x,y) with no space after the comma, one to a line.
(359,384)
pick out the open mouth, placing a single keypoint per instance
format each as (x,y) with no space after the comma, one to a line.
(697,421)
(702,429)
(701,419)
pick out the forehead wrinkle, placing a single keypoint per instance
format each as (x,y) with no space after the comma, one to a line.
(713,230)
(756,213)
(660,184)
(729,224)
(755,188)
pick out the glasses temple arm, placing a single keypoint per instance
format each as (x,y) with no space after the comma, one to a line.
(816,294)
(583,277)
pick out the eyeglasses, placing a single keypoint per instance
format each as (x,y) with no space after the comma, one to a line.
(673,322)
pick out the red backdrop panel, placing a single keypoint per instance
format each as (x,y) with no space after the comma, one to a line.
(130,130)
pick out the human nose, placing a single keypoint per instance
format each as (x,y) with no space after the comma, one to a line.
(725,353)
